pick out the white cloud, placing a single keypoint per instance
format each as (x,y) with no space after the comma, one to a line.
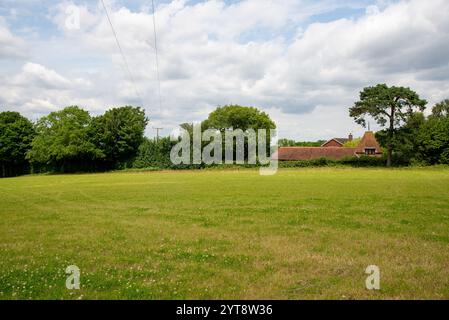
(10,46)
(262,53)
(34,74)
(37,90)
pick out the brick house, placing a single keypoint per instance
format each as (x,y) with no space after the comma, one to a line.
(333,149)
(337,142)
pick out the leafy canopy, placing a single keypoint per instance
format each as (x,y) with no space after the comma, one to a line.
(433,139)
(387,105)
(119,132)
(63,136)
(391,107)
(16,134)
(238,117)
(441,109)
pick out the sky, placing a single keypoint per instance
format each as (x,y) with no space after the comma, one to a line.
(303,62)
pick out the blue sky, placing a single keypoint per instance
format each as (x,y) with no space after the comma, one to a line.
(302,61)
(25,14)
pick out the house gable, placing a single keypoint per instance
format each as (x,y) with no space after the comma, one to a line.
(332,143)
(369,145)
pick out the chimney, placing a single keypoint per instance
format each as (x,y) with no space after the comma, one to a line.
(351,137)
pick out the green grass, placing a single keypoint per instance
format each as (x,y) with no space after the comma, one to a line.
(301,234)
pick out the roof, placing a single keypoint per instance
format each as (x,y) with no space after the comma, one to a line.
(341,141)
(311,153)
(368,141)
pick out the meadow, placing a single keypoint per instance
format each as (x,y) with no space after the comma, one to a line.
(232,234)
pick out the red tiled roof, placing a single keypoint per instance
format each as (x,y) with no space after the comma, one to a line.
(341,141)
(311,153)
(368,141)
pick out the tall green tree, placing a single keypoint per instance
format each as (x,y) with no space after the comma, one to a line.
(239,117)
(16,134)
(441,109)
(119,133)
(62,142)
(406,143)
(434,135)
(434,141)
(390,107)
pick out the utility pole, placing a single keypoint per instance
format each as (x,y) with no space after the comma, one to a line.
(157,132)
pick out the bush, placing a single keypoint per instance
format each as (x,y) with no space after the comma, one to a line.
(363,161)
(324,162)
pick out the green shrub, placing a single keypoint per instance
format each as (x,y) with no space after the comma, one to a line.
(363,161)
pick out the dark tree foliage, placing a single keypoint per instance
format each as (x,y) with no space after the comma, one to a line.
(154,153)
(390,107)
(71,140)
(433,138)
(16,134)
(405,142)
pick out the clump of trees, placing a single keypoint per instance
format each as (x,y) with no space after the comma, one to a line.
(235,117)
(422,140)
(433,136)
(292,143)
(70,140)
(409,137)
(16,136)
(156,153)
(390,107)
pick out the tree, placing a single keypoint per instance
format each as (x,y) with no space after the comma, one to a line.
(352,143)
(16,134)
(433,137)
(238,117)
(441,109)
(390,107)
(406,141)
(154,153)
(118,133)
(62,142)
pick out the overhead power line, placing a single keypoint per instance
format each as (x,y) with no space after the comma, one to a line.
(122,54)
(157,56)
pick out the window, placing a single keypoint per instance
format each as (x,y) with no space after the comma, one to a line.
(370,151)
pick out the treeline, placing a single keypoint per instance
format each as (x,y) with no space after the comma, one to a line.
(293,143)
(70,140)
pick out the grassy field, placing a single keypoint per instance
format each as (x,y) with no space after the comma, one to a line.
(301,234)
